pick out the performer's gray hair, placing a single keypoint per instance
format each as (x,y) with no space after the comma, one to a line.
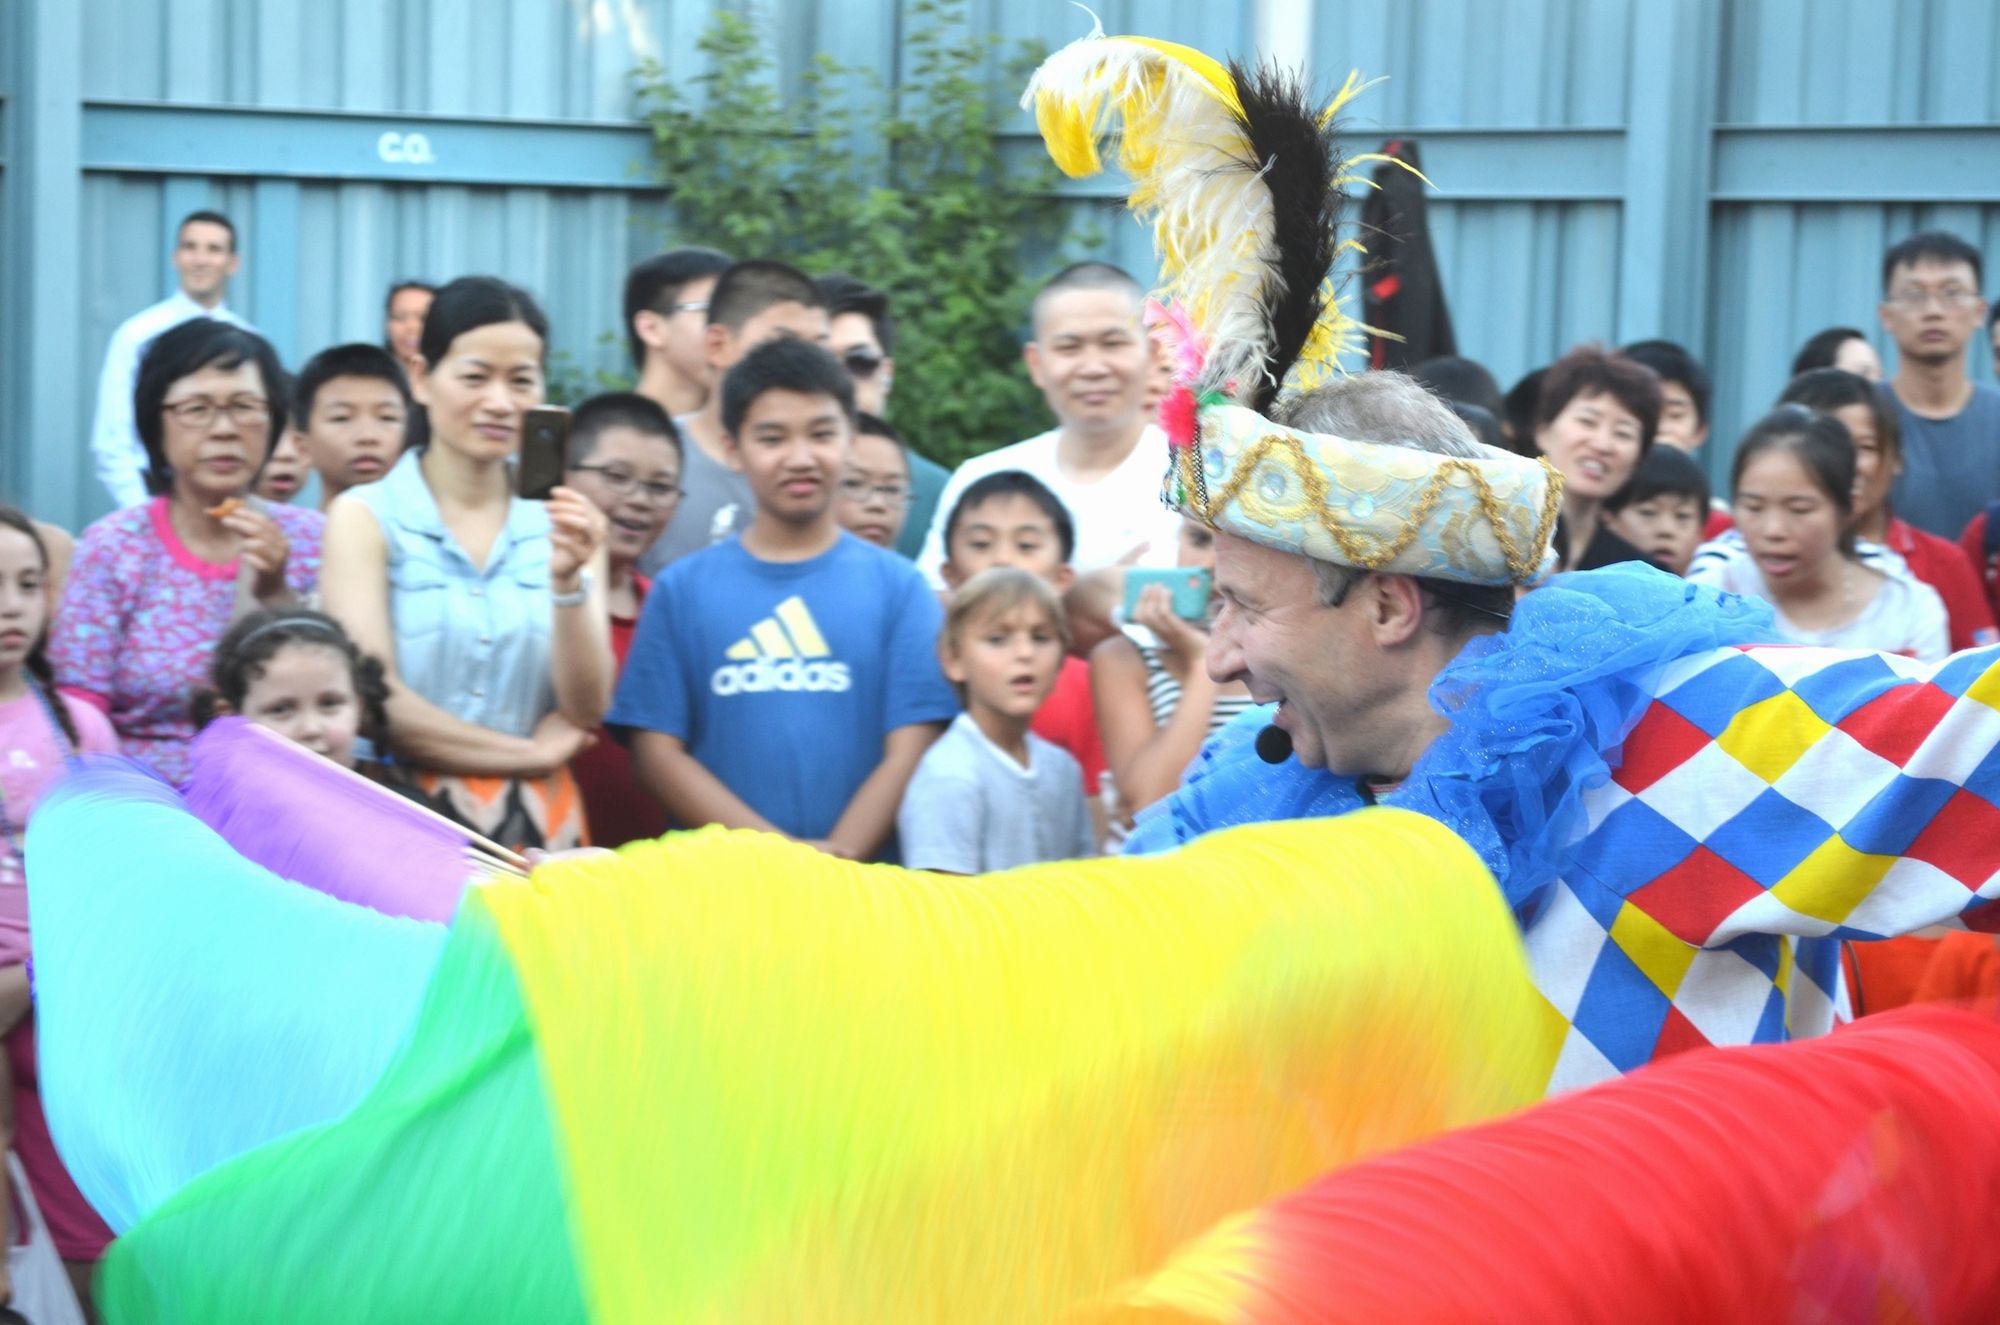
(1384,407)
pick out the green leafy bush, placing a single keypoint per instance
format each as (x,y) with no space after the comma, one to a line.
(904,186)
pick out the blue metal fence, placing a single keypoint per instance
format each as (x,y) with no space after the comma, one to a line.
(1726,172)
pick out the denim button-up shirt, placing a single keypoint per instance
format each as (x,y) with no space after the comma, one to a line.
(475,641)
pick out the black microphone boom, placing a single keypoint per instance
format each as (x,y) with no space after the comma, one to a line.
(1274,745)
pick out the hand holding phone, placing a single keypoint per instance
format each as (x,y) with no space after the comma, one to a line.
(1187,584)
(544,455)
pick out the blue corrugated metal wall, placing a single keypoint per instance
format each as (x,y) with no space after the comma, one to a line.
(1722,171)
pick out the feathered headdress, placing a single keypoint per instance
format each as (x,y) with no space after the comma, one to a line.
(1241,177)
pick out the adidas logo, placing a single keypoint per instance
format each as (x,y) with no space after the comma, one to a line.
(778,654)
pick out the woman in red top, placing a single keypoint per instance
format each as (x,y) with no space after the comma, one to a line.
(1878,459)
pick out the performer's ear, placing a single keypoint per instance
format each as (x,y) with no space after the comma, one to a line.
(1395,608)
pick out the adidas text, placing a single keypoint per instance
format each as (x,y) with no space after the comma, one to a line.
(790,674)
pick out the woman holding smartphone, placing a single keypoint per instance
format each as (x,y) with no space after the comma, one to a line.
(486,610)
(1155,702)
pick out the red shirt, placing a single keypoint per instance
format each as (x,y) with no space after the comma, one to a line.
(1973,544)
(1942,565)
(1068,718)
(615,805)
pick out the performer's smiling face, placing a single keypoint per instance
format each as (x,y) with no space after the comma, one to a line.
(1325,666)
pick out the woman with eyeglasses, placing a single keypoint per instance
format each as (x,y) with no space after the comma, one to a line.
(154,586)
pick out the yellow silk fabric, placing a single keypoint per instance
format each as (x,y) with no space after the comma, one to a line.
(787,1088)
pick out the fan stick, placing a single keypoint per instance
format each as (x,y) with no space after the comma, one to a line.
(509,862)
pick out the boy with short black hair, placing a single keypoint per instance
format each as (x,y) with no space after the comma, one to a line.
(1685,392)
(786,679)
(991,795)
(625,456)
(875,491)
(1662,509)
(1011,518)
(666,317)
(352,406)
(752,302)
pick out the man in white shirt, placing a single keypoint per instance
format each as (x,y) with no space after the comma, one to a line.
(1104,458)
(205,256)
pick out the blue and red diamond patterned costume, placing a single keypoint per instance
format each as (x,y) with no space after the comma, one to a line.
(1685,820)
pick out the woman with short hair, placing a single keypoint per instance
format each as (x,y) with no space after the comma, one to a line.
(154,586)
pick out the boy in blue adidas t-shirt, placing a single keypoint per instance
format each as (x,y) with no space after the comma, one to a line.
(786,679)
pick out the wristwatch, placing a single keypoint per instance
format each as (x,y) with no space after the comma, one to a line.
(576,597)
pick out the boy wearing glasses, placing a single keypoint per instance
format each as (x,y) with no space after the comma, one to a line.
(625,456)
(873,494)
(1932,308)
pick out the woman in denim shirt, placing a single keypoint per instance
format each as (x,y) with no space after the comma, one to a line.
(487,610)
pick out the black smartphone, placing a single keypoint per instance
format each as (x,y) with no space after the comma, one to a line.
(538,470)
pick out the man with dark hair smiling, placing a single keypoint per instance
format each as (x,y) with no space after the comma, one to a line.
(205,257)
(1932,308)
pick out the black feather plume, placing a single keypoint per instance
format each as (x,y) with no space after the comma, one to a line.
(1300,162)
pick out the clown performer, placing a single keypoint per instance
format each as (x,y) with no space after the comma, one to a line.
(1686,820)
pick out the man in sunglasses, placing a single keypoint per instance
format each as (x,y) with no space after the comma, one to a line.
(862,335)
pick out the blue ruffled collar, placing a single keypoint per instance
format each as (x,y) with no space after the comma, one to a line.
(1538,716)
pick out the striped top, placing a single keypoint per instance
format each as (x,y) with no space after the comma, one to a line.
(1163,692)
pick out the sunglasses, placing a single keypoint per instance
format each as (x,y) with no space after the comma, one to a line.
(861,363)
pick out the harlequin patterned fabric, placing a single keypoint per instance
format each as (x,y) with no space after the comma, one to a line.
(1686,822)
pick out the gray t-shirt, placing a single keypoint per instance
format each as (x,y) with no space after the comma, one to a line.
(715,503)
(971,809)
(1951,467)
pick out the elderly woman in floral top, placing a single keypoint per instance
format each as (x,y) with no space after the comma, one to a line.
(154,586)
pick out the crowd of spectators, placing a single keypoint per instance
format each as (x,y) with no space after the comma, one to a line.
(751,602)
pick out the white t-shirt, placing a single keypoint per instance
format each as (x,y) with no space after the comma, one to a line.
(1906,615)
(1112,515)
(971,809)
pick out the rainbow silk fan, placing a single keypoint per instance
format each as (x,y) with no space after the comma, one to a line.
(723,1077)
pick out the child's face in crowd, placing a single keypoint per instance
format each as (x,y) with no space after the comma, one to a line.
(305,693)
(1680,422)
(1007,660)
(1009,530)
(1666,527)
(1874,470)
(1197,546)
(24,599)
(476,394)
(875,491)
(356,431)
(792,448)
(1091,358)
(285,472)
(621,463)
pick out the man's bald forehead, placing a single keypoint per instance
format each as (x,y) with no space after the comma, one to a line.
(1087,276)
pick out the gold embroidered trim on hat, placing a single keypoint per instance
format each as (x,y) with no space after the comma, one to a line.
(1366,551)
